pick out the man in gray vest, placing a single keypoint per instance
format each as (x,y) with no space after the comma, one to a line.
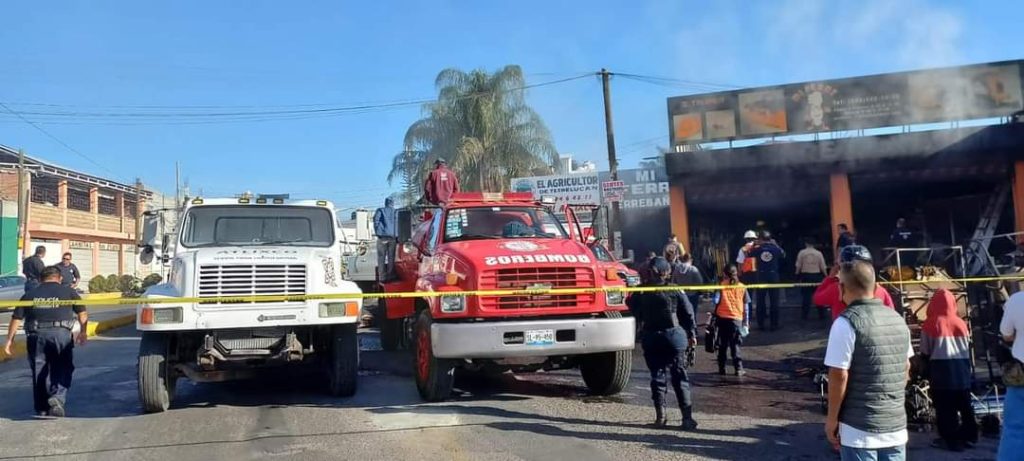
(868,358)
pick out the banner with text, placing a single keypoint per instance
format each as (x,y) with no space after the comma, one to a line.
(927,96)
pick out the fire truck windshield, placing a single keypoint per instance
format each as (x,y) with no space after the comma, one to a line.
(501,223)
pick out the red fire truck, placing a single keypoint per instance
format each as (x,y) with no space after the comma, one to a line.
(488,241)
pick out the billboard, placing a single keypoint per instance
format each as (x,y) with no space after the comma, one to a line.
(643,208)
(927,96)
(574,188)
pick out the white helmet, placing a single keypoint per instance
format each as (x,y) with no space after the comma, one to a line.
(749,235)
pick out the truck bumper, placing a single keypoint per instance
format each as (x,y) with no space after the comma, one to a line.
(494,340)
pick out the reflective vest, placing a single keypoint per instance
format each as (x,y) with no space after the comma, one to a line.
(749,262)
(731,303)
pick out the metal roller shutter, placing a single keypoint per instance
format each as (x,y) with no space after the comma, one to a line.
(81,255)
(53,250)
(130,260)
(109,259)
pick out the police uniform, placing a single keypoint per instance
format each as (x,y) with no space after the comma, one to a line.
(667,325)
(769,256)
(49,343)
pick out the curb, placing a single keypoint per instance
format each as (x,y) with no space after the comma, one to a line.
(94,327)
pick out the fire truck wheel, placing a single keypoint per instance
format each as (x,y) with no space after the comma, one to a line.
(157,379)
(344,361)
(607,373)
(390,330)
(434,377)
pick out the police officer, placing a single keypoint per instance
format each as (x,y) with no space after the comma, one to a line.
(769,255)
(49,341)
(667,328)
(32,267)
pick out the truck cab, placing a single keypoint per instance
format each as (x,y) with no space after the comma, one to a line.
(236,298)
(491,243)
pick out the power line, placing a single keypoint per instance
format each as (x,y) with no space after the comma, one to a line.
(203,117)
(674,82)
(58,140)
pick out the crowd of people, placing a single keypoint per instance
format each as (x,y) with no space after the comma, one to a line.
(869,350)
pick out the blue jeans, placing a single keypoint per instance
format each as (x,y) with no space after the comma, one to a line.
(1011,444)
(897,453)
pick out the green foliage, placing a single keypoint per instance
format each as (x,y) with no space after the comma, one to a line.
(98,284)
(482,125)
(129,285)
(150,280)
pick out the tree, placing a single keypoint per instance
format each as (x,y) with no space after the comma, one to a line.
(481,124)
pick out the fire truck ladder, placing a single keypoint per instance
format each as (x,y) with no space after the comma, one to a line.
(979,261)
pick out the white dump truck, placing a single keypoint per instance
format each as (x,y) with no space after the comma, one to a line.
(227,251)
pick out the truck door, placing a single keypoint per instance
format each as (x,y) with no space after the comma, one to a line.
(575,229)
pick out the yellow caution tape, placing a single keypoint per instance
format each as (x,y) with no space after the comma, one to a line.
(434,294)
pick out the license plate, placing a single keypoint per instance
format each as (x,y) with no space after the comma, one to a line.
(540,337)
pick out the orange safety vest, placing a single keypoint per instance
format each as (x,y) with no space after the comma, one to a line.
(731,304)
(749,262)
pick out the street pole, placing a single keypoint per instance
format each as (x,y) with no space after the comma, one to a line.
(138,214)
(613,163)
(22,202)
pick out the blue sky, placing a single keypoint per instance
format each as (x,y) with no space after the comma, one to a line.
(86,56)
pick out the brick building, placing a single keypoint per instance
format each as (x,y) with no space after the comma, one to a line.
(69,211)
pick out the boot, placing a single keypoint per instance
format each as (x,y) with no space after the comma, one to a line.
(660,420)
(688,423)
(721,368)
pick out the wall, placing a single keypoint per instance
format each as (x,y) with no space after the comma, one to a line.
(8,237)
(9,185)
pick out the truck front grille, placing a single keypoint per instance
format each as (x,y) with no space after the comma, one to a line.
(251,280)
(534,278)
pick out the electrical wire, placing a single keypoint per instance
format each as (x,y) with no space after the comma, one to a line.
(204,117)
(677,83)
(58,140)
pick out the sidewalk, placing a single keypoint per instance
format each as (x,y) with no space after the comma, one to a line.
(101,318)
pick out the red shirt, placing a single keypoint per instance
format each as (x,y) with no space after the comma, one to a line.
(827,294)
(440,185)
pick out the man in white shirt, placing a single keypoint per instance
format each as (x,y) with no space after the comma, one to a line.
(1011,442)
(866,416)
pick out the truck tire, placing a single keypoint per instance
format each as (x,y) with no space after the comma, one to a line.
(343,365)
(391,330)
(607,373)
(157,379)
(434,377)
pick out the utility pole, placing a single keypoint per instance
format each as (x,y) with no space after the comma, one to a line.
(613,163)
(177,186)
(138,213)
(22,202)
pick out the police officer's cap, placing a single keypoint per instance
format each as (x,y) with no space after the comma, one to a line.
(440,161)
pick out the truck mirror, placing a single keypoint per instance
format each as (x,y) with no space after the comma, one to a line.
(404,225)
(150,227)
(629,257)
(599,222)
(146,255)
(364,225)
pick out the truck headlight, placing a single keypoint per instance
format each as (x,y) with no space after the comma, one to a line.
(615,298)
(631,280)
(154,315)
(451,304)
(348,309)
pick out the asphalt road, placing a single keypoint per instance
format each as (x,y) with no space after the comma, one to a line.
(767,415)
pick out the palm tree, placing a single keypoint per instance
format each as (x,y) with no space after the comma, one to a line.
(481,124)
